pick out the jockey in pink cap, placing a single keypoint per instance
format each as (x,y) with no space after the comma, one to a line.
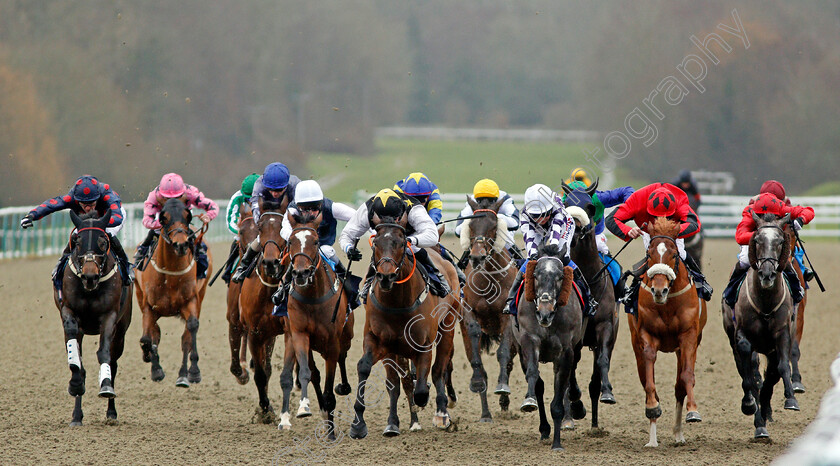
(172,186)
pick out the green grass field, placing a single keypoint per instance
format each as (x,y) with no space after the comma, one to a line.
(454,166)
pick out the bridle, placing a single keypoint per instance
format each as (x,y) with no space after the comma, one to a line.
(545,297)
(97,259)
(489,243)
(397,265)
(314,263)
(677,259)
(773,260)
(167,232)
(266,242)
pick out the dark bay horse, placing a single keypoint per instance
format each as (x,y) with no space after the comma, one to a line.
(93,300)
(550,328)
(236,329)
(670,319)
(601,329)
(170,288)
(404,320)
(761,321)
(255,307)
(490,275)
(314,295)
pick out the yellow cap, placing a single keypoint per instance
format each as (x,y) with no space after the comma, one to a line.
(579,174)
(486,188)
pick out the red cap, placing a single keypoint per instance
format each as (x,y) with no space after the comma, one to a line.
(775,188)
(768,203)
(661,203)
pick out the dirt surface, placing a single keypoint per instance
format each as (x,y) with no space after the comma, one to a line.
(211,422)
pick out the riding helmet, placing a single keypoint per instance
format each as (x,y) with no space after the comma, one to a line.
(661,203)
(387,203)
(308,194)
(276,176)
(86,189)
(486,188)
(248,184)
(539,199)
(172,185)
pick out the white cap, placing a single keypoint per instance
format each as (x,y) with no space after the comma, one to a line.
(539,199)
(308,191)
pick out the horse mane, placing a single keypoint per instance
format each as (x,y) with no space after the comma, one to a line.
(485,202)
(92,215)
(664,226)
(271,205)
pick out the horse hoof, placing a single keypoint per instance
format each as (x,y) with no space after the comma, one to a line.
(652,445)
(415,427)
(792,404)
(421,399)
(567,424)
(358,431)
(798,387)
(502,389)
(194,377)
(545,434)
(578,410)
(761,433)
(486,419)
(450,404)
(653,413)
(529,405)
(748,407)
(441,420)
(342,389)
(76,390)
(285,421)
(75,423)
(303,410)
(478,386)
(557,447)
(111,421)
(158,375)
(182,382)
(243,378)
(391,431)
(107,391)
(693,416)
(608,398)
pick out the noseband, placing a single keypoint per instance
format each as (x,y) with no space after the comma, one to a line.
(773,260)
(676,260)
(545,297)
(313,263)
(382,260)
(97,259)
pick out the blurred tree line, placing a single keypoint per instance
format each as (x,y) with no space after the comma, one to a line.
(215,89)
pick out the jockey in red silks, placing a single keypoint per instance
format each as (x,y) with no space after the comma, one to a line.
(87,194)
(172,186)
(771,200)
(657,200)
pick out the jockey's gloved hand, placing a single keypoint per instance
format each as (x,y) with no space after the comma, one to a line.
(797,223)
(353,254)
(26,222)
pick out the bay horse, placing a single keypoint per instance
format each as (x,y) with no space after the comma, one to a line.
(550,327)
(170,288)
(236,329)
(403,320)
(667,321)
(314,295)
(93,300)
(490,274)
(255,307)
(601,330)
(761,321)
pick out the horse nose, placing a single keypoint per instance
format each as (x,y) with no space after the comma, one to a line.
(476,260)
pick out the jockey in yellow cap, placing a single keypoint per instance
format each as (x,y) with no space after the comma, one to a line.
(486,192)
(579,174)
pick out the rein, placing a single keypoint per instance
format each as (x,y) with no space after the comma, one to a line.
(776,308)
(773,260)
(423,293)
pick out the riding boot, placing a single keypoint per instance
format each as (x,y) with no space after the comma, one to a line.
(511,297)
(462,279)
(439,287)
(704,289)
(464,260)
(368,281)
(58,271)
(143,250)
(201,261)
(340,270)
(807,274)
(730,293)
(515,253)
(583,285)
(281,296)
(229,266)
(126,268)
(244,265)
(795,286)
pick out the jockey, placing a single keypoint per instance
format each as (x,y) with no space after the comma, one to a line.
(765,203)
(658,200)
(86,195)
(421,232)
(686,182)
(309,203)
(240,197)
(172,186)
(486,192)
(545,221)
(579,174)
(275,185)
(776,188)
(420,187)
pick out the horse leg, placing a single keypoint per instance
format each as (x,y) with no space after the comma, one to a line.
(742,350)
(687,357)
(783,351)
(316,384)
(149,343)
(407,381)
(257,347)
(237,353)
(423,365)
(393,385)
(343,388)
(645,361)
(106,337)
(771,378)
(328,408)
(564,366)
(575,410)
(441,371)
(503,355)
(679,394)
(530,366)
(504,398)
(117,348)
(286,382)
(795,375)
(606,344)
(372,354)
(301,345)
(539,392)
(78,375)
(194,373)
(595,385)
(451,395)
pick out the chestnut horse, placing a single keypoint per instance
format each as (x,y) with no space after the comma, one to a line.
(170,288)
(93,300)
(255,306)
(404,320)
(314,295)
(490,275)
(236,330)
(667,321)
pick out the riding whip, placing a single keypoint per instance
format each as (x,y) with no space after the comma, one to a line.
(597,275)
(233,254)
(343,279)
(466,217)
(802,245)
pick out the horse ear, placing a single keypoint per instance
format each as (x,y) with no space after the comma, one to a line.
(785,219)
(563,250)
(105,219)
(376,220)
(566,188)
(74,217)
(755,217)
(294,219)
(472,203)
(593,187)
(590,209)
(497,205)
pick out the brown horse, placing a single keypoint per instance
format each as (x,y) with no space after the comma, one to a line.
(93,300)
(667,321)
(255,307)
(314,295)
(170,288)
(404,320)
(236,329)
(490,274)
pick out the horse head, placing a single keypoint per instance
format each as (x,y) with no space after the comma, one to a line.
(769,248)
(89,247)
(483,231)
(271,243)
(303,248)
(389,248)
(547,283)
(662,257)
(247,227)
(175,221)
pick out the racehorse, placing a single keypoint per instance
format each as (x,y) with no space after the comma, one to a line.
(314,295)
(93,300)
(255,308)
(170,288)
(550,328)
(667,321)
(602,328)
(490,274)
(761,321)
(404,320)
(236,329)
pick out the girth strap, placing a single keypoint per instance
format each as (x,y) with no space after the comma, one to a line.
(400,310)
